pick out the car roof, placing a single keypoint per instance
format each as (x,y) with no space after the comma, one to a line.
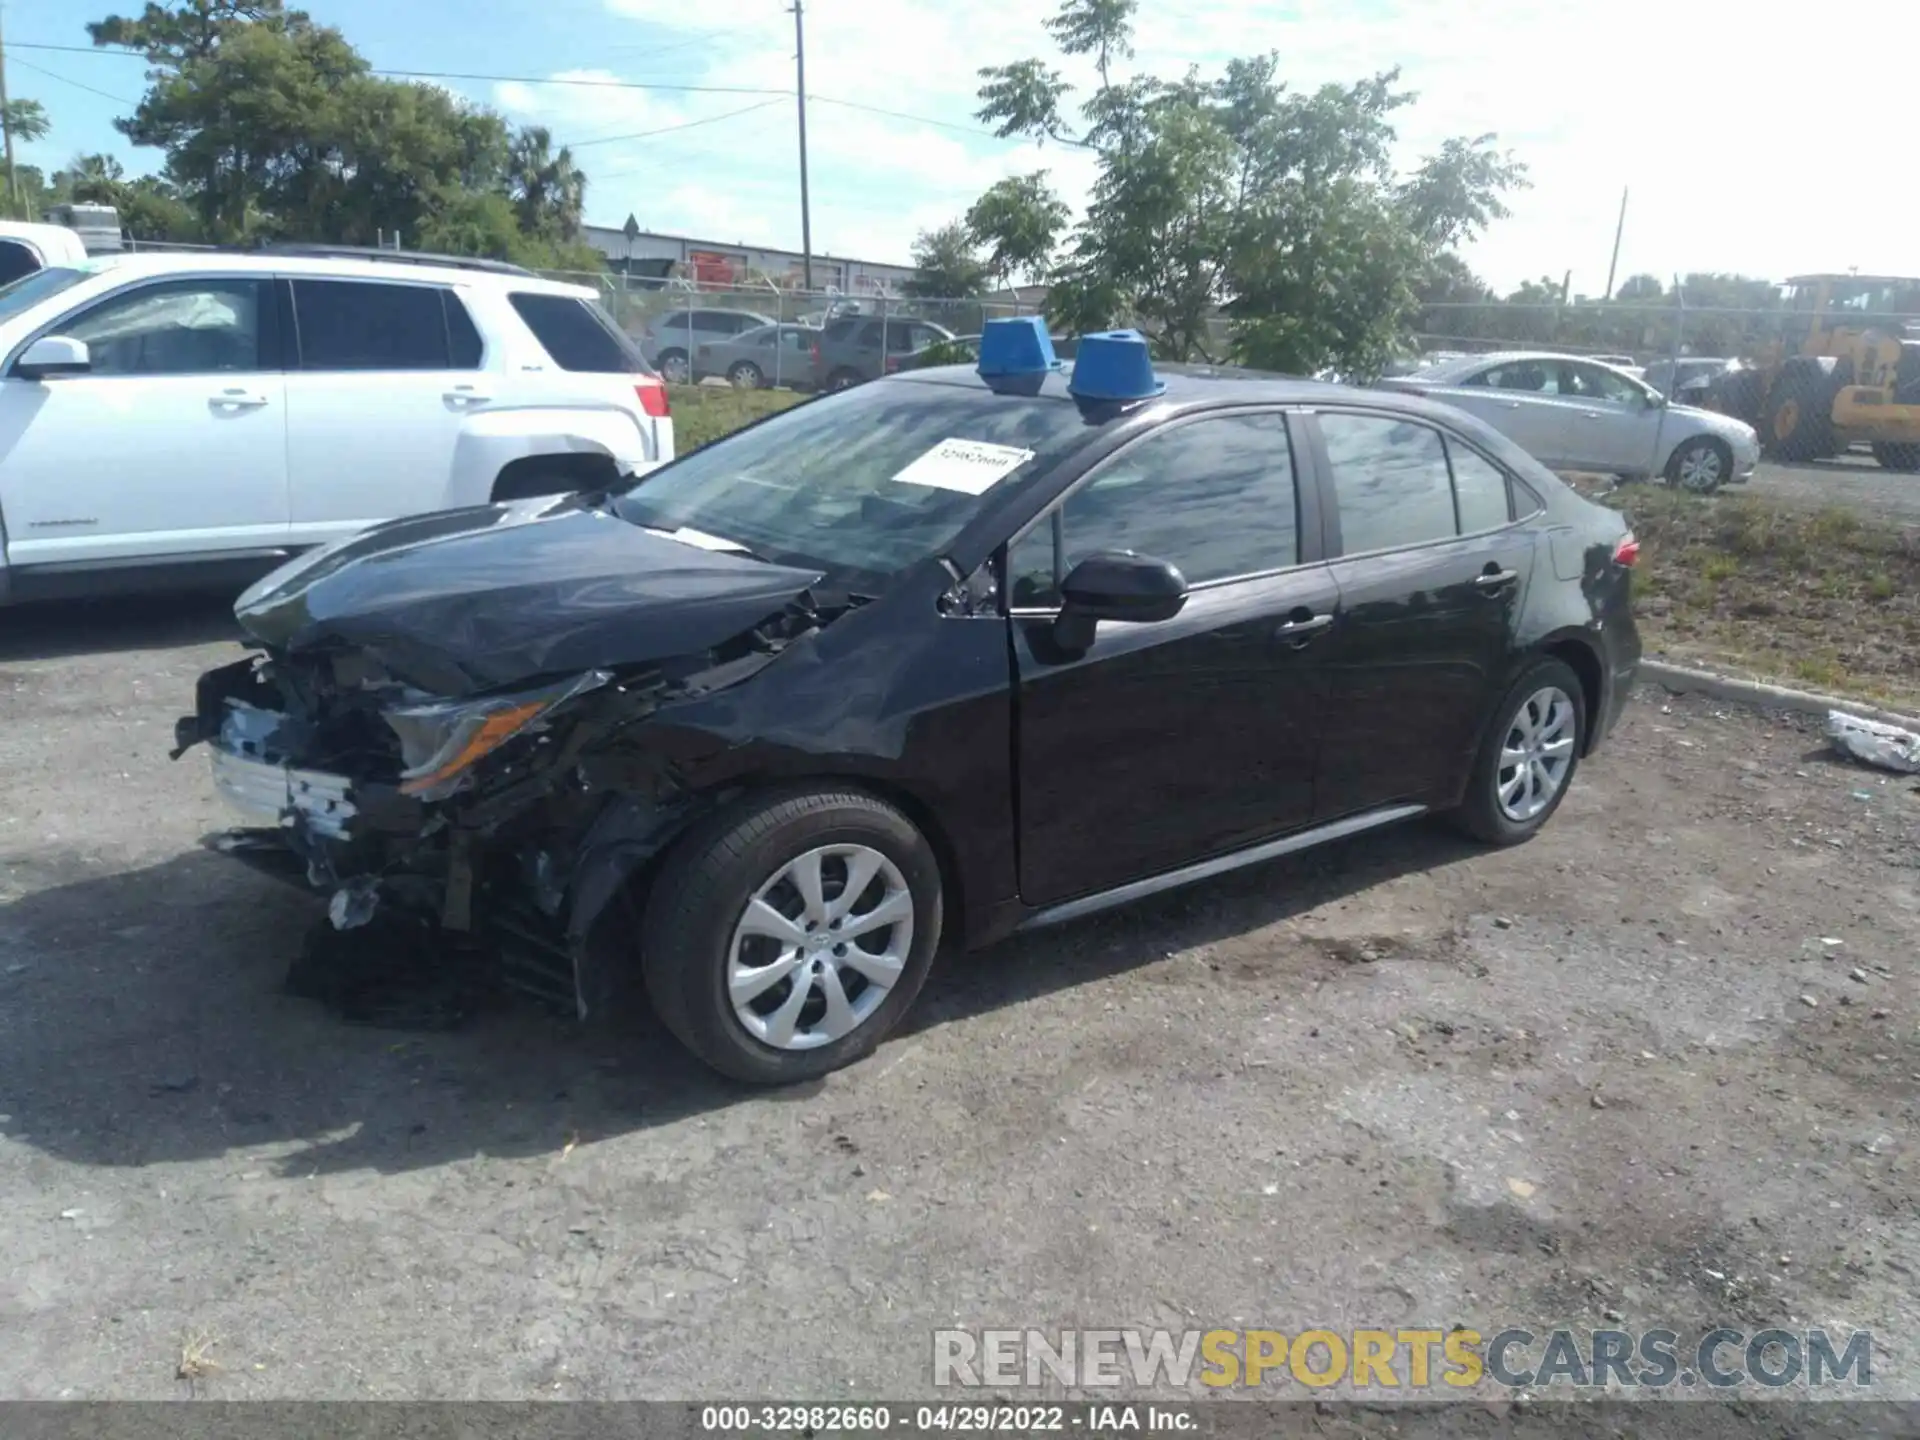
(1467,364)
(1188,385)
(136,265)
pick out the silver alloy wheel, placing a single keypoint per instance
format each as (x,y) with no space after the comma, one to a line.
(1701,468)
(1536,754)
(819,946)
(745,376)
(673,369)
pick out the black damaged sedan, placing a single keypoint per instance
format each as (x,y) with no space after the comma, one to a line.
(937,658)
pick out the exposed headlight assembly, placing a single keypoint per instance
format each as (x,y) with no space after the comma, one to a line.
(441,740)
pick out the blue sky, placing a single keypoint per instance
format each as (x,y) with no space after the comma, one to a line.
(1639,93)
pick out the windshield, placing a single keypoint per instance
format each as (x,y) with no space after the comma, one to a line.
(21,295)
(822,485)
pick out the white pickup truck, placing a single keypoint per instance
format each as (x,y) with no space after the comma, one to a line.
(196,418)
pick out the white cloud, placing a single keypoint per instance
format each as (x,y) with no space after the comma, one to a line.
(1699,106)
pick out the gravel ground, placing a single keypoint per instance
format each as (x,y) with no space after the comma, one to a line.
(1661,1062)
(1851,481)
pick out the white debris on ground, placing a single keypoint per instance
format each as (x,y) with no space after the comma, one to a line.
(1870,741)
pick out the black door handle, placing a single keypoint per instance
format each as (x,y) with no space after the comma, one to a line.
(1496,579)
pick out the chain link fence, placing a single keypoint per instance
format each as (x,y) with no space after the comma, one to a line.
(707,331)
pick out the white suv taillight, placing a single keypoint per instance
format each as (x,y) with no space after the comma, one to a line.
(653,397)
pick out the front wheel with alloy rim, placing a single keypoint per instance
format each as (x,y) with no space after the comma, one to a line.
(787,934)
(1701,465)
(745,375)
(1528,757)
(673,367)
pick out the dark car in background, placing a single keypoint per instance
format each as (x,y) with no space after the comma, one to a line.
(670,340)
(933,660)
(1690,379)
(780,355)
(853,348)
(965,350)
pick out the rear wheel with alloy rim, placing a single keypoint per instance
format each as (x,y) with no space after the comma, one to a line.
(788,934)
(1528,757)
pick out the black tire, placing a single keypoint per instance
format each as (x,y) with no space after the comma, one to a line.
(843,379)
(745,375)
(1800,416)
(1738,393)
(706,883)
(670,361)
(1903,459)
(1700,448)
(1480,814)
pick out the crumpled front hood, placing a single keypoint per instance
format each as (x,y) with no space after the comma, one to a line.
(473,599)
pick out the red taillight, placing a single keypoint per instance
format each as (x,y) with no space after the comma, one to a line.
(653,398)
(1627,551)
(813,353)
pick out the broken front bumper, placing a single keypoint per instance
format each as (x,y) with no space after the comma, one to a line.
(266,794)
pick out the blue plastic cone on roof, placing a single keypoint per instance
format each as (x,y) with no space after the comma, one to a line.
(1014,346)
(1114,365)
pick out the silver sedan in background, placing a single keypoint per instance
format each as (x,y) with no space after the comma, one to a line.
(1574,413)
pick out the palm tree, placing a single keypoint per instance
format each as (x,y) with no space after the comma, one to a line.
(91,180)
(23,122)
(549,191)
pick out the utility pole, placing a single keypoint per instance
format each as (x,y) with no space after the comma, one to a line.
(800,80)
(1618,231)
(6,128)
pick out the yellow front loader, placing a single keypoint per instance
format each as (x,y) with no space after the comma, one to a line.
(1846,369)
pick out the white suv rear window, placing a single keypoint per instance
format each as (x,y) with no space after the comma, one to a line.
(579,335)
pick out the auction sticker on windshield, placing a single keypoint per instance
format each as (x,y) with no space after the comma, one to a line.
(972,467)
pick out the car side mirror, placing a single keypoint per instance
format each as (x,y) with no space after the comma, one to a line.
(53,355)
(1120,586)
(1656,400)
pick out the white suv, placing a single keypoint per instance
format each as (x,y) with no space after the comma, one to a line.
(169,418)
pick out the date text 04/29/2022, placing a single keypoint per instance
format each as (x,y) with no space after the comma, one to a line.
(1095,1418)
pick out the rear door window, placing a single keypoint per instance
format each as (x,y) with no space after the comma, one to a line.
(1391,480)
(578,334)
(1479,489)
(464,345)
(370,325)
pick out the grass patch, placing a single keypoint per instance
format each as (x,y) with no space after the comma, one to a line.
(1822,600)
(703,413)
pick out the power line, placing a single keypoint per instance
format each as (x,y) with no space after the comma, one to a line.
(671,129)
(904,115)
(42,70)
(466,75)
(590,84)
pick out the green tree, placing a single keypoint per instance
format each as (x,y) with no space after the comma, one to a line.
(25,121)
(274,126)
(549,192)
(1641,290)
(945,266)
(149,207)
(1233,214)
(1019,221)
